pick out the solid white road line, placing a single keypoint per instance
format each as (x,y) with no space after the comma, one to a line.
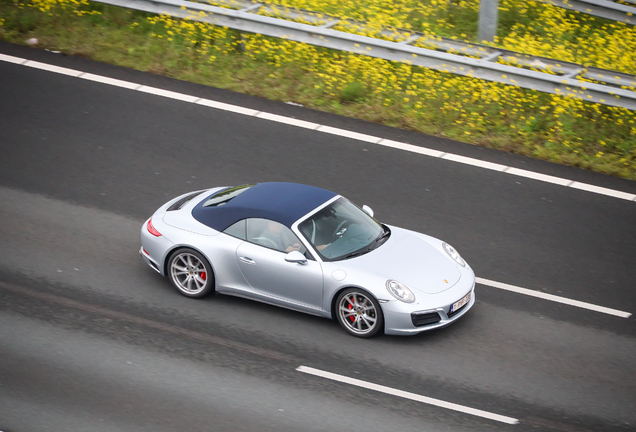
(474,162)
(326,129)
(540,177)
(11,59)
(407,395)
(553,298)
(52,68)
(168,94)
(411,148)
(109,81)
(600,190)
(349,134)
(288,120)
(227,107)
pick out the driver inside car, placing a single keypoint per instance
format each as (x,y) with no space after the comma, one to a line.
(285,241)
(315,228)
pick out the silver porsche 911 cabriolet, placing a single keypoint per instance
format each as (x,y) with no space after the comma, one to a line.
(308,249)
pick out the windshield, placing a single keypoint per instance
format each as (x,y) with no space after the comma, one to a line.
(341,230)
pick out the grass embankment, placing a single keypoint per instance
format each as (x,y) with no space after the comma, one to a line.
(550,127)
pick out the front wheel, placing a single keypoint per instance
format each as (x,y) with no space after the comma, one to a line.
(359,313)
(190,273)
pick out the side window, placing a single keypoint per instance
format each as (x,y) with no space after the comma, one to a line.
(236,230)
(273,235)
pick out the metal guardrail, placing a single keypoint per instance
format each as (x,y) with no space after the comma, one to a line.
(446,55)
(452,46)
(600,8)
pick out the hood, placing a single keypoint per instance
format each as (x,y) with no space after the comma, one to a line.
(410,260)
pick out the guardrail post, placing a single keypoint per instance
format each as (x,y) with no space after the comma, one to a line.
(241,44)
(488,16)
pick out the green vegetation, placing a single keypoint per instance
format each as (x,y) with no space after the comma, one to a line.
(550,127)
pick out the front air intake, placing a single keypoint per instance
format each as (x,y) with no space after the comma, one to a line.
(421,319)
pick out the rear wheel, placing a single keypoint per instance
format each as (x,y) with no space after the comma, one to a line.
(359,313)
(190,273)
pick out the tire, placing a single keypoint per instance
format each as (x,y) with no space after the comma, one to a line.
(359,313)
(190,273)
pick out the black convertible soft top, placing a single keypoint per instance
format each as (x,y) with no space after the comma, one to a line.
(281,202)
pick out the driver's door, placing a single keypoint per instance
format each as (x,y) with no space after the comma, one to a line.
(266,270)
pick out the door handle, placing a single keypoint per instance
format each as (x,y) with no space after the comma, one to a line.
(247,260)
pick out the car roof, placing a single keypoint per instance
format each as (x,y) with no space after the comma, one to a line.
(281,202)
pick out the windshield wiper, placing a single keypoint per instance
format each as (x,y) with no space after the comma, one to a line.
(374,244)
(355,254)
(386,232)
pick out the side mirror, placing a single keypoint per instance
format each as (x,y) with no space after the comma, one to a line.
(296,257)
(367,210)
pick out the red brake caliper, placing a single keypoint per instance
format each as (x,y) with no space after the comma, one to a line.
(351,317)
(203,275)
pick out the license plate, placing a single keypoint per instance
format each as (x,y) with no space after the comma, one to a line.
(458,304)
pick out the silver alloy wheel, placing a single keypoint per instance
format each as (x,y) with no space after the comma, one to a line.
(188,273)
(357,313)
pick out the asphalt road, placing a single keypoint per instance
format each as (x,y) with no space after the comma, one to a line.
(92,339)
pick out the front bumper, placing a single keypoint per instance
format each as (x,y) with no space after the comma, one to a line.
(399,321)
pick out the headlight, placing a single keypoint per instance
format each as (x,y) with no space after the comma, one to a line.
(400,292)
(454,254)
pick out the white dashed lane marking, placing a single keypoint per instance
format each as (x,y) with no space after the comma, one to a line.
(407,395)
(554,298)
